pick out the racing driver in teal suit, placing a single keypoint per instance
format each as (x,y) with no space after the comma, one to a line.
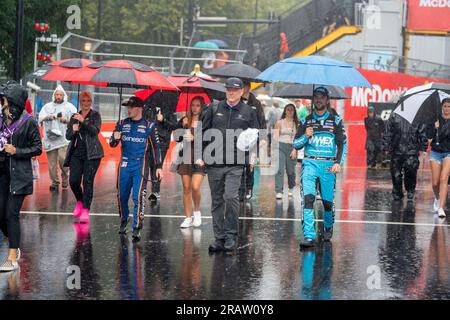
(322,134)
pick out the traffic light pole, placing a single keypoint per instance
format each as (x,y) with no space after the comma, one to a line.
(18,58)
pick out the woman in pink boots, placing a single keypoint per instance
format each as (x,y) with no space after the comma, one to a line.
(83,154)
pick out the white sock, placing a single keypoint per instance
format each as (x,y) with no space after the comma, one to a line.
(197,213)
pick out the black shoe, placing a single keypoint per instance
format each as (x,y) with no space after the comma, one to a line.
(123,227)
(136,235)
(307,243)
(411,196)
(54,188)
(154,196)
(217,246)
(327,234)
(230,245)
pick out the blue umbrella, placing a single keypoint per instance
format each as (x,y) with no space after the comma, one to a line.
(315,70)
(206,45)
(222,44)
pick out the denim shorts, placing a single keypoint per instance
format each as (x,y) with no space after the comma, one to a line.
(439,156)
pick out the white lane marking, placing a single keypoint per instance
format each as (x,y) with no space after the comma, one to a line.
(361,210)
(245,218)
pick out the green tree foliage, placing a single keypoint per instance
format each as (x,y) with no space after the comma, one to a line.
(151,21)
(51,12)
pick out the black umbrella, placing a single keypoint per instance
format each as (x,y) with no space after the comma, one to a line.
(305,91)
(422,104)
(242,71)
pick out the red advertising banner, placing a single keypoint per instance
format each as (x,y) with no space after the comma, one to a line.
(387,87)
(429,15)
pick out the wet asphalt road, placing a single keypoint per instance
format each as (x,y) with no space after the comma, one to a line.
(380,249)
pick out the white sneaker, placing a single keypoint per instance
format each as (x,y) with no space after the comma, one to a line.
(9,266)
(197,219)
(436,205)
(279,196)
(441,213)
(291,192)
(187,223)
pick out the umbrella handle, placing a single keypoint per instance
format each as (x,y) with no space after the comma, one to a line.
(120,104)
(78,98)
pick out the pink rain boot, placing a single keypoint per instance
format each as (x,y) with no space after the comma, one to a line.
(77,210)
(84,218)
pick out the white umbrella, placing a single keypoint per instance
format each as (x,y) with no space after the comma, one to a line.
(422,104)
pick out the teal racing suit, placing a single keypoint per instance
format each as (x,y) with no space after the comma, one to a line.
(326,147)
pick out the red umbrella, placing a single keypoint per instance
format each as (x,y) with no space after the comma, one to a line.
(191,86)
(120,74)
(65,70)
(194,86)
(124,73)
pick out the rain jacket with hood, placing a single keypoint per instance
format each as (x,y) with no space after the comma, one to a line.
(27,141)
(54,130)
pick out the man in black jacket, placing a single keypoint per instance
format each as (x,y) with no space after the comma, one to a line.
(374,129)
(248,176)
(19,142)
(222,124)
(166,122)
(404,142)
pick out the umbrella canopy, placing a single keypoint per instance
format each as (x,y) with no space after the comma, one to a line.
(196,86)
(65,70)
(206,45)
(315,70)
(60,69)
(242,71)
(190,86)
(422,104)
(123,73)
(305,91)
(196,82)
(163,99)
(220,43)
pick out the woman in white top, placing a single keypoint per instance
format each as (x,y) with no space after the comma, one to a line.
(284,133)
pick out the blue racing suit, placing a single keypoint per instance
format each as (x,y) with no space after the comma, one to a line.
(140,149)
(326,147)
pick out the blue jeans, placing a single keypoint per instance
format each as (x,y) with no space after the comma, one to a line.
(439,156)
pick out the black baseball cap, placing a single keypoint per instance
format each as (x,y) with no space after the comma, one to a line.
(322,90)
(370,109)
(134,102)
(234,83)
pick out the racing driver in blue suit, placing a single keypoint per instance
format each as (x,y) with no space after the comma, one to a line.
(323,136)
(140,148)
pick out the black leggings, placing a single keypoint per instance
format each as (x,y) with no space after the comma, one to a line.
(86,170)
(10,206)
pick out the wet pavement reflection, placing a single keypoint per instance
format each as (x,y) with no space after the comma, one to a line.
(380,249)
